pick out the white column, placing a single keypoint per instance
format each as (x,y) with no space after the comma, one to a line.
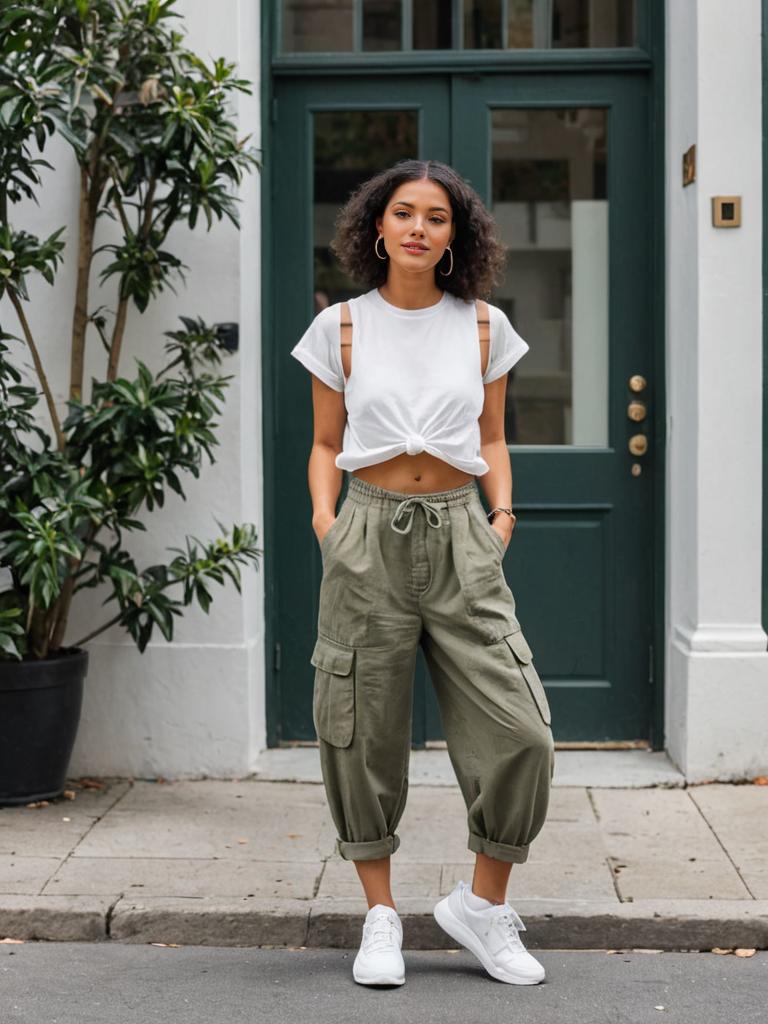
(717,665)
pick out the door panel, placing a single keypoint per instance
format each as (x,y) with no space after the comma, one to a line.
(330,137)
(562,163)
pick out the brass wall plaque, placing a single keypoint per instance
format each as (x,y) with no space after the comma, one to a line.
(726,211)
(689,165)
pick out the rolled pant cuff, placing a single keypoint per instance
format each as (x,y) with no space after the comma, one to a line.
(500,851)
(368,851)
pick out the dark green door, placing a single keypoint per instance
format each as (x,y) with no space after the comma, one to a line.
(562,161)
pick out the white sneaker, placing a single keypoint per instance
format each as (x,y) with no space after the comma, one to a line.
(379,960)
(491,934)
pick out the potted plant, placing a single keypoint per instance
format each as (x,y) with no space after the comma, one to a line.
(148,123)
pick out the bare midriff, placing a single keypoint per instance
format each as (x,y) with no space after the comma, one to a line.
(414,474)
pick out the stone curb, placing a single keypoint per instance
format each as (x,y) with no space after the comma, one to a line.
(234,921)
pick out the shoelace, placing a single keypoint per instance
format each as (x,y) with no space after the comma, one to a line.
(379,933)
(509,921)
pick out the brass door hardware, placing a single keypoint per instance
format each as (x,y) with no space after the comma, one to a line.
(637,382)
(638,444)
(637,411)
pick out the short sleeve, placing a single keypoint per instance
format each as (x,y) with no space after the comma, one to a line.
(506,345)
(318,347)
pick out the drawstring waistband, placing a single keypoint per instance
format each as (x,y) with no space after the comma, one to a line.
(408,507)
(370,494)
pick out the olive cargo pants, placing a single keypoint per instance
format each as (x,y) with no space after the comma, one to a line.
(401,571)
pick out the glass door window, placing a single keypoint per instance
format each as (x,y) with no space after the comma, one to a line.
(548,196)
(349,147)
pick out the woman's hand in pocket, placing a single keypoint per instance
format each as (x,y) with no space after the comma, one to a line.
(321,524)
(503,525)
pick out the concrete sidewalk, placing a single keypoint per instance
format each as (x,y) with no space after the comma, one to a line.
(639,860)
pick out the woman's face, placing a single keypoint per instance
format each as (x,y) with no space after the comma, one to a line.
(417,225)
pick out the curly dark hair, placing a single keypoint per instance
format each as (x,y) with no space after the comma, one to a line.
(479,257)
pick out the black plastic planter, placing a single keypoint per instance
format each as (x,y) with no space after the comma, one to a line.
(40,704)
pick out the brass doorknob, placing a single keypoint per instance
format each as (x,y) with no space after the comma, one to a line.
(636,411)
(637,382)
(638,444)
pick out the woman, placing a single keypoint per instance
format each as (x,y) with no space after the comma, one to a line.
(408,390)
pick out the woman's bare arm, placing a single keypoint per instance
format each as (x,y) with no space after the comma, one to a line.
(325,478)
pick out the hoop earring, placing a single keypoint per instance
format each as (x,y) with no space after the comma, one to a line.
(376,248)
(449,272)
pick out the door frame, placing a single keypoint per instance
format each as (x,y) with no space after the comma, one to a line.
(648,56)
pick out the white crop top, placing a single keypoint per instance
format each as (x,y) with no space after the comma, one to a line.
(415,381)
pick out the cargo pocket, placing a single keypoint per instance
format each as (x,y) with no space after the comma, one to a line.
(491,606)
(522,652)
(333,702)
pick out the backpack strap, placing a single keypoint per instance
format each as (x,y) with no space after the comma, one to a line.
(483,333)
(346,339)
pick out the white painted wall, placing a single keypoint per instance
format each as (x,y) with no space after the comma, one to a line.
(196,706)
(717,665)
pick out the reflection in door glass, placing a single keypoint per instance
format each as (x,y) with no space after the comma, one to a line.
(325,27)
(549,200)
(341,26)
(483,25)
(350,146)
(432,27)
(382,28)
(556,24)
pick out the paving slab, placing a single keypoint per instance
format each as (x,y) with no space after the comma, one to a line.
(214,819)
(55,830)
(433,827)
(660,847)
(738,815)
(185,877)
(26,875)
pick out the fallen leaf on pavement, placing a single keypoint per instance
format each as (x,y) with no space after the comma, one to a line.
(744,952)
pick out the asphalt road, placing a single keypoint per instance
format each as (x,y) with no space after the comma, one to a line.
(117,983)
